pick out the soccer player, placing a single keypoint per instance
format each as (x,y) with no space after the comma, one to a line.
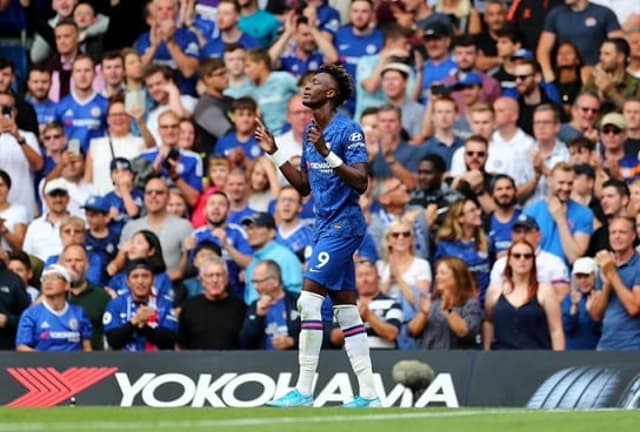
(333,166)
(54,324)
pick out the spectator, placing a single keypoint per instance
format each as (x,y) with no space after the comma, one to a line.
(187,137)
(125,201)
(83,112)
(571,74)
(585,24)
(92,298)
(170,230)
(138,320)
(166,96)
(167,44)
(67,326)
(381,315)
(610,80)
(505,143)
(228,236)
(12,303)
(213,319)
(210,112)
(567,240)
(118,142)
(547,151)
(236,187)
(42,239)
(439,63)
(500,222)
(614,202)
(631,115)
(510,52)
(584,114)
(235,57)
(441,113)
(617,296)
(291,231)
(584,191)
(613,134)
(13,218)
(495,19)
(475,182)
(67,41)
(468,91)
(633,38)
(20,263)
(298,117)
(112,67)
(550,269)
(227,18)
(20,156)
(393,156)
(272,89)
(258,23)
(133,71)
(461,236)
(581,331)
(450,318)
(529,17)
(54,143)
(368,77)
(218,171)
(520,312)
(240,146)
(100,238)
(429,186)
(261,233)
(272,322)
(191,286)
(263,184)
(301,47)
(177,205)
(25,118)
(395,86)
(38,86)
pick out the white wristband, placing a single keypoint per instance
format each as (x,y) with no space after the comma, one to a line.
(279,158)
(333,160)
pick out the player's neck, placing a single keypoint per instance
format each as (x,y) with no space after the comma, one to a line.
(323,115)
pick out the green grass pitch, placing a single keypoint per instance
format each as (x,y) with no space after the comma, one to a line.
(97,419)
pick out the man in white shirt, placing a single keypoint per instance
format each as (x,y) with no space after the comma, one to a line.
(20,156)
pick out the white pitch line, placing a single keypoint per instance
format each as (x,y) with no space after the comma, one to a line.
(259,421)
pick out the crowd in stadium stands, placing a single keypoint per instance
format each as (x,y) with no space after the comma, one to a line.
(139,213)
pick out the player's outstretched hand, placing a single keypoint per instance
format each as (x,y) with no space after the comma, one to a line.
(316,137)
(265,138)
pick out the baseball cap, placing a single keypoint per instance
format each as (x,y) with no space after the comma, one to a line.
(58,184)
(526,222)
(615,119)
(56,269)
(584,265)
(468,79)
(120,163)
(523,54)
(436,30)
(139,263)
(261,219)
(397,66)
(97,203)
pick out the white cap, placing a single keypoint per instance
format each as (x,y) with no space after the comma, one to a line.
(584,265)
(56,269)
(56,184)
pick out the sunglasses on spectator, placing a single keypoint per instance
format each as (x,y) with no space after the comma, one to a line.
(401,233)
(522,77)
(518,256)
(589,109)
(476,153)
(611,130)
(51,137)
(155,192)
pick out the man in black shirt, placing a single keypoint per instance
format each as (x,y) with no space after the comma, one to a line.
(13,301)
(614,200)
(213,319)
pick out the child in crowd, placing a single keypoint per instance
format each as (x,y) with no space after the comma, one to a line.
(240,146)
(217,173)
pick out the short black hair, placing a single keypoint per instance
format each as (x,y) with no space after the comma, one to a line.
(620,186)
(342,79)
(436,160)
(499,177)
(585,169)
(582,142)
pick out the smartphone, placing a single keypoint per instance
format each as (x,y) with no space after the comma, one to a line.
(440,90)
(174,154)
(6,111)
(74,145)
(134,98)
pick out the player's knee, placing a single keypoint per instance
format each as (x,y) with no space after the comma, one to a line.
(310,305)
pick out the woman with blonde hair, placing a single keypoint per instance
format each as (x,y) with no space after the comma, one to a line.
(451,318)
(402,274)
(461,235)
(520,312)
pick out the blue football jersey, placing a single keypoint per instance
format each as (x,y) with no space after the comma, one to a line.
(118,222)
(44,329)
(500,233)
(230,141)
(297,66)
(189,167)
(45,110)
(162,285)
(215,47)
(336,203)
(83,120)
(351,46)
(297,240)
(121,309)
(238,239)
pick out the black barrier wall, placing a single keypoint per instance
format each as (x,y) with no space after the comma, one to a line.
(249,379)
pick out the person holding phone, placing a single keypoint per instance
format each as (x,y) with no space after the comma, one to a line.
(566,225)
(20,156)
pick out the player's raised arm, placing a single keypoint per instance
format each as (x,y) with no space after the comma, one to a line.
(355,176)
(296,176)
